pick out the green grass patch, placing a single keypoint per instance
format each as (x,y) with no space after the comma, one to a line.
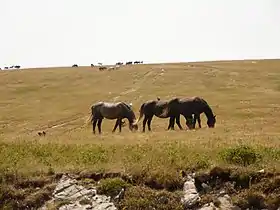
(241,155)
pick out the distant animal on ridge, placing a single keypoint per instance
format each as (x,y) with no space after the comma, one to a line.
(102,68)
(159,109)
(107,110)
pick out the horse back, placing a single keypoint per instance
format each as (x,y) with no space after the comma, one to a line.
(111,110)
(193,104)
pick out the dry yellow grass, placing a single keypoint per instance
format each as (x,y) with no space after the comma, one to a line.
(243,94)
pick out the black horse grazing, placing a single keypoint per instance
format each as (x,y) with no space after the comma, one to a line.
(188,106)
(119,110)
(153,107)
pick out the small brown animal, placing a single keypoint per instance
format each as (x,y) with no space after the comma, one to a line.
(42,133)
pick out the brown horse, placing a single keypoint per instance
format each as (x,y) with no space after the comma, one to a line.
(188,106)
(156,107)
(118,110)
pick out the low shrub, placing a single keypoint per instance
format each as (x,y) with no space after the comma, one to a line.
(240,155)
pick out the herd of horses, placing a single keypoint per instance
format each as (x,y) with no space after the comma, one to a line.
(190,108)
(11,67)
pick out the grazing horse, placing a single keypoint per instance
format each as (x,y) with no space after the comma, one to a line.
(118,110)
(153,107)
(188,106)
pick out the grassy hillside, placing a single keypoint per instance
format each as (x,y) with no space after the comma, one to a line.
(243,94)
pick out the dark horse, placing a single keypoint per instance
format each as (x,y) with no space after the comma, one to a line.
(157,107)
(118,110)
(188,106)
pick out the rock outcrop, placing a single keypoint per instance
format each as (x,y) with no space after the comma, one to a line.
(224,203)
(191,196)
(77,197)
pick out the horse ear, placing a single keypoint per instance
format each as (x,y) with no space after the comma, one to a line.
(214,116)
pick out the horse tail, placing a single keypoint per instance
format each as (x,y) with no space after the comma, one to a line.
(90,117)
(141,110)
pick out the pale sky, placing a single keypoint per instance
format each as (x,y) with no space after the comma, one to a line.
(37,33)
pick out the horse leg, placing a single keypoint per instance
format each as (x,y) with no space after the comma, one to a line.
(199,120)
(178,122)
(120,125)
(171,123)
(144,123)
(194,120)
(116,125)
(99,125)
(94,125)
(149,123)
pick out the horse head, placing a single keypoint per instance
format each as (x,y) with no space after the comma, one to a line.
(165,111)
(211,121)
(131,117)
(133,126)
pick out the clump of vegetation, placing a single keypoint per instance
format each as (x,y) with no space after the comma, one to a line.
(137,197)
(240,155)
(111,187)
(14,198)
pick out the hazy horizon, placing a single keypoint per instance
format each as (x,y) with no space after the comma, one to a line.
(61,33)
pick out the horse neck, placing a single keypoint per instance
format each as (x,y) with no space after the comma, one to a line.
(208,112)
(131,117)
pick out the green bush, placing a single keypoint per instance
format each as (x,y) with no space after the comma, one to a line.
(241,155)
(111,187)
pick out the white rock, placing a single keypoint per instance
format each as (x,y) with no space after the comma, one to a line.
(226,203)
(68,189)
(191,196)
(208,206)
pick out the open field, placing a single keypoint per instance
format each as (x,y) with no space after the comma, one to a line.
(243,94)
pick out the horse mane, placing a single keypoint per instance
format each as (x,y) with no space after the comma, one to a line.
(127,106)
(174,100)
(207,109)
